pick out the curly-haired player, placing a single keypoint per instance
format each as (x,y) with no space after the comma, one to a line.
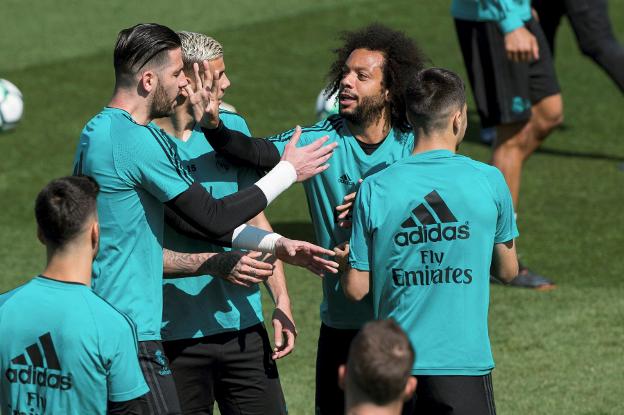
(372,132)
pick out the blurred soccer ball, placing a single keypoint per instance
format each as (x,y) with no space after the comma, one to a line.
(11,105)
(326,105)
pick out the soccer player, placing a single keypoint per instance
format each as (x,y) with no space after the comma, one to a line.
(514,85)
(214,338)
(376,378)
(426,245)
(64,349)
(369,72)
(592,28)
(138,169)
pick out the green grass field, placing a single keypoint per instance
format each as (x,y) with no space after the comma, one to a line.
(557,353)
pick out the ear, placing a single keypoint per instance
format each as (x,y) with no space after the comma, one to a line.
(95,235)
(342,376)
(40,235)
(148,81)
(458,120)
(410,388)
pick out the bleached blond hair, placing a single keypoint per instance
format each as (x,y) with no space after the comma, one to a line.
(197,47)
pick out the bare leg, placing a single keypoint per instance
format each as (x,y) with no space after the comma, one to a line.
(516,142)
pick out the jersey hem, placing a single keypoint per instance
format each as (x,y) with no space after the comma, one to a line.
(126,396)
(205,333)
(452,372)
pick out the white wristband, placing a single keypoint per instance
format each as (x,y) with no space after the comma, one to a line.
(254,239)
(280,178)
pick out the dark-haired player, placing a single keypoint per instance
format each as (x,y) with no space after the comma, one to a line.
(370,71)
(376,378)
(213,331)
(514,85)
(138,170)
(64,349)
(424,249)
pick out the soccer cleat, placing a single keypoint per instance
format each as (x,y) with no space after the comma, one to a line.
(528,279)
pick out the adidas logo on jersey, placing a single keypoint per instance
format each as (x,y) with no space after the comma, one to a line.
(39,367)
(345,179)
(430,229)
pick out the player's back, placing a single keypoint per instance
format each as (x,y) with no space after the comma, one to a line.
(137,170)
(435,217)
(59,343)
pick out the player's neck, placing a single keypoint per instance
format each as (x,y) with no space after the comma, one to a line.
(434,141)
(70,265)
(180,125)
(138,107)
(371,132)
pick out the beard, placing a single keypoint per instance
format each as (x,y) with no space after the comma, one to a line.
(161,104)
(369,111)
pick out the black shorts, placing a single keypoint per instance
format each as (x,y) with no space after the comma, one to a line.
(452,395)
(234,368)
(504,91)
(162,397)
(333,349)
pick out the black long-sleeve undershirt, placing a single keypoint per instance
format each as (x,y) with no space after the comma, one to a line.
(241,149)
(197,214)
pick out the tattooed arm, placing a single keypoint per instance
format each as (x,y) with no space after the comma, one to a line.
(238,268)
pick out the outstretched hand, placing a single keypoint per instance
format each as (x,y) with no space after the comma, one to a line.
(205,98)
(305,255)
(308,160)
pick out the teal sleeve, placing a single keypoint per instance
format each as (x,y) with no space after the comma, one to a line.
(125,379)
(361,231)
(151,161)
(511,14)
(236,122)
(506,228)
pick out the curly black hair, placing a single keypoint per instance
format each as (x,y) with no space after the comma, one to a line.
(402,58)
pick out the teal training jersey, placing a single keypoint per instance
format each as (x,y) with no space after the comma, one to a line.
(64,350)
(425,228)
(325,191)
(206,305)
(509,14)
(138,169)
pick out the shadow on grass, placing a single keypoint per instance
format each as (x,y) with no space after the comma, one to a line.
(474,130)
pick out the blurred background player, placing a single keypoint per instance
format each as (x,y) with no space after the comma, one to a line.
(514,86)
(592,28)
(376,378)
(217,345)
(426,248)
(138,170)
(370,72)
(70,351)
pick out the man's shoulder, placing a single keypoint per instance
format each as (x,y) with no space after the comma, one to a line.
(106,315)
(117,125)
(9,295)
(330,126)
(485,169)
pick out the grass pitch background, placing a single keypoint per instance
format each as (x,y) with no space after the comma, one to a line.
(556,353)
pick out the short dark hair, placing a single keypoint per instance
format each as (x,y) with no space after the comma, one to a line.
(380,361)
(140,44)
(431,95)
(63,206)
(401,58)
